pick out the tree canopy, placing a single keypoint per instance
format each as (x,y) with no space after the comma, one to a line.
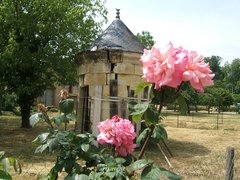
(214,63)
(232,76)
(38,41)
(146,39)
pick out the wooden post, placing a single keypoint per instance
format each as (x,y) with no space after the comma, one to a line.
(229,163)
(113,89)
(159,147)
(79,122)
(96,110)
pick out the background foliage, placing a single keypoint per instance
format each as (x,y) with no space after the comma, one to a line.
(39,39)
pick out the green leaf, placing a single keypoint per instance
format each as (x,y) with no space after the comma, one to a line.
(159,133)
(111,174)
(34,119)
(53,144)
(182,104)
(169,174)
(137,109)
(11,160)
(85,147)
(4,175)
(142,136)
(137,117)
(72,116)
(5,164)
(96,175)
(120,160)
(60,119)
(128,160)
(110,161)
(41,138)
(1,154)
(150,172)
(151,115)
(41,148)
(164,95)
(139,164)
(77,177)
(141,86)
(66,106)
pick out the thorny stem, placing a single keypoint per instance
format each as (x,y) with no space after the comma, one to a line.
(65,126)
(149,134)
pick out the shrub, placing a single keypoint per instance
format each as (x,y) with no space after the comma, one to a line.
(9,102)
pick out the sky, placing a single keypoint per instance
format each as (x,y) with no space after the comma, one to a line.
(210,27)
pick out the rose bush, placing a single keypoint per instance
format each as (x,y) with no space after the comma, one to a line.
(165,70)
(82,156)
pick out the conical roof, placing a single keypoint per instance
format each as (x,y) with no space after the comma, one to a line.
(117,36)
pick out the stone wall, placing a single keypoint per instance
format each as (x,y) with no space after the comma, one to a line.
(110,76)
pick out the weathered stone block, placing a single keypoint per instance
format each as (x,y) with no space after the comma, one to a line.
(106,92)
(138,70)
(122,91)
(131,57)
(111,76)
(115,56)
(124,68)
(83,69)
(91,90)
(95,79)
(81,80)
(129,80)
(105,110)
(99,67)
(87,57)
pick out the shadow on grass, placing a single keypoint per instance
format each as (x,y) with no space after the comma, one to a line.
(186,149)
(181,149)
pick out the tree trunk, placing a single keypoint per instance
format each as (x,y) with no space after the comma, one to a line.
(208,109)
(1,98)
(188,108)
(25,103)
(1,104)
(196,108)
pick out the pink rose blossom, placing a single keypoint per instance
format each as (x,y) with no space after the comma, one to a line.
(171,66)
(198,72)
(107,132)
(119,132)
(164,67)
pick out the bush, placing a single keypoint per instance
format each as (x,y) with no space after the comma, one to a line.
(9,102)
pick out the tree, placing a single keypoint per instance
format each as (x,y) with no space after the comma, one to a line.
(232,76)
(206,99)
(146,39)
(190,95)
(222,97)
(214,63)
(39,39)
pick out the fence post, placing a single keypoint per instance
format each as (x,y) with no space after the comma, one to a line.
(177,120)
(229,163)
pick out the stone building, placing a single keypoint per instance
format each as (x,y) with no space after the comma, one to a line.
(108,73)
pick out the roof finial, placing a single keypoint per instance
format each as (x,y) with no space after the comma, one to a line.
(117,13)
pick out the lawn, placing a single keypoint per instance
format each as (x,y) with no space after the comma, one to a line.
(198,145)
